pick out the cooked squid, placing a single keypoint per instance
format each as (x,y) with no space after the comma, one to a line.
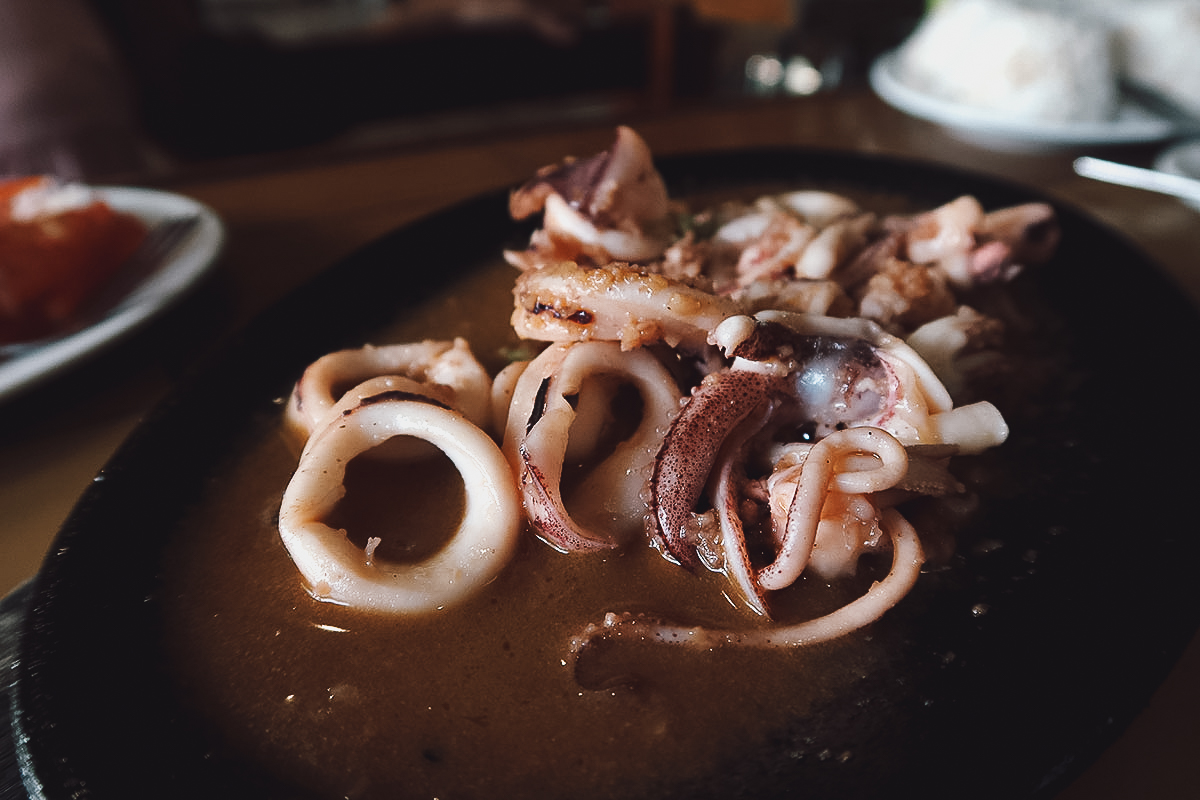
(541,425)
(612,206)
(446,371)
(796,362)
(616,302)
(907,560)
(337,570)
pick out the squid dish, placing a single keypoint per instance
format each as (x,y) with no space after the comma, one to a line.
(755,390)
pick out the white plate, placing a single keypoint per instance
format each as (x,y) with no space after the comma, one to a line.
(21,366)
(1181,159)
(1134,123)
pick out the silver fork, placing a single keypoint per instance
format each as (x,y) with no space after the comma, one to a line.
(163,239)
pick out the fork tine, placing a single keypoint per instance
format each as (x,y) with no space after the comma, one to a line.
(162,239)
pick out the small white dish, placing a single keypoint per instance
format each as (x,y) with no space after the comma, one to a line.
(1134,123)
(22,366)
(1182,159)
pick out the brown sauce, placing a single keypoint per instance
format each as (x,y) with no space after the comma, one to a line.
(479,700)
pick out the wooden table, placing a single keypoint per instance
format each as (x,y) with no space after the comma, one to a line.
(289,217)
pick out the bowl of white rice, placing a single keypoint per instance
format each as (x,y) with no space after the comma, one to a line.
(1028,72)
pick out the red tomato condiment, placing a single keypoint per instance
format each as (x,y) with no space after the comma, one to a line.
(52,265)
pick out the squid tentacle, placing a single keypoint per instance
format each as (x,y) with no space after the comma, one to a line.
(726,501)
(825,470)
(686,459)
(908,557)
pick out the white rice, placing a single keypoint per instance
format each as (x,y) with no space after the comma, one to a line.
(1030,61)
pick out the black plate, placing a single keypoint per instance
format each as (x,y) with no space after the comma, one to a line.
(1012,669)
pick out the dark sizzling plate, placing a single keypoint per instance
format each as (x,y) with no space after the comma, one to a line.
(1067,606)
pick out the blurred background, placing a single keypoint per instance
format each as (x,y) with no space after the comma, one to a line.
(190,80)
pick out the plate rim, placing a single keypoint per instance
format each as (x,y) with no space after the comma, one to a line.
(1139,125)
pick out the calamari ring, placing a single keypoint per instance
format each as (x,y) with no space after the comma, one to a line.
(339,571)
(447,369)
(542,425)
(387,387)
